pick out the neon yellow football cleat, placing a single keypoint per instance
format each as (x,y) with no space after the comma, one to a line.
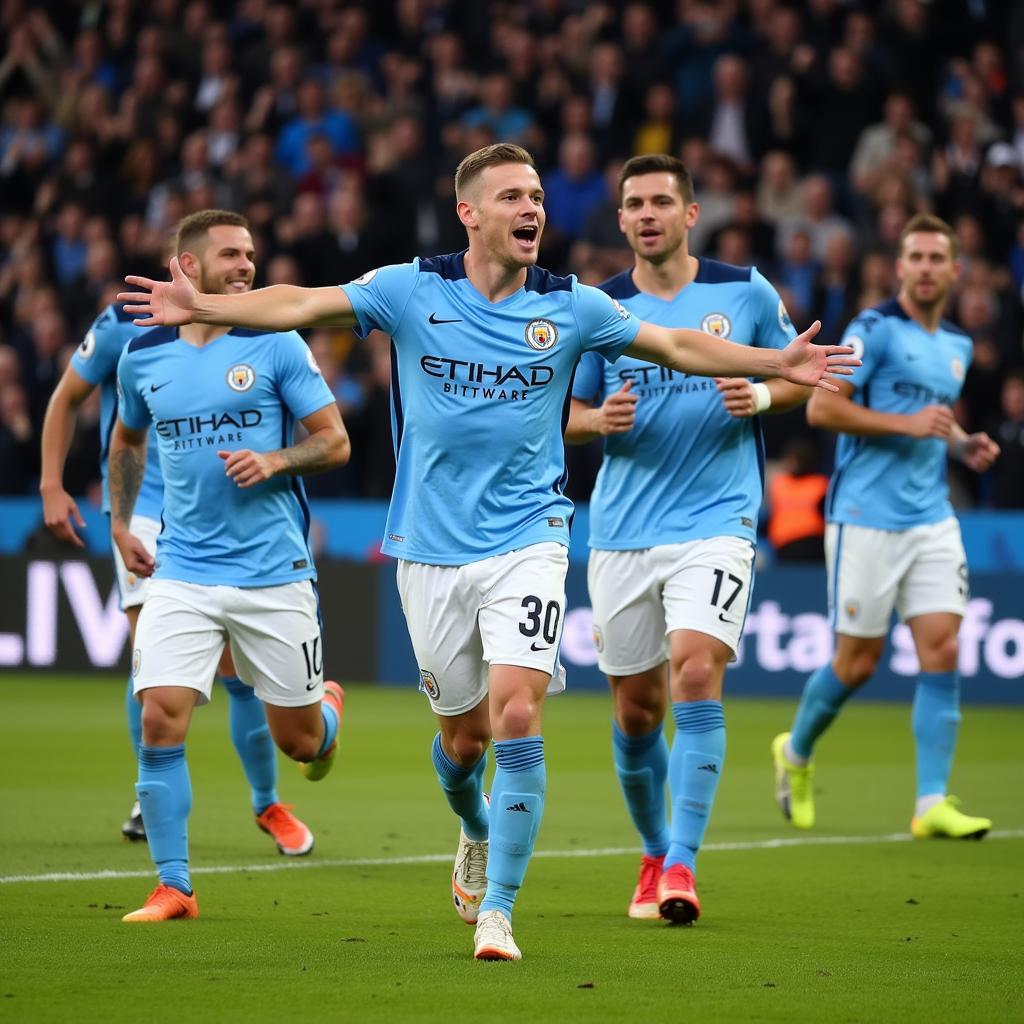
(316,770)
(947,821)
(794,786)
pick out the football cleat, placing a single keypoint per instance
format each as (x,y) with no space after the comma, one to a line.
(315,770)
(469,878)
(292,837)
(794,786)
(644,905)
(677,895)
(133,828)
(946,821)
(164,903)
(493,939)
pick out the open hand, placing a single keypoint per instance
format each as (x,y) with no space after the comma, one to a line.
(164,303)
(816,365)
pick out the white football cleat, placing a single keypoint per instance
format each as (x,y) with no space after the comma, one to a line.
(493,940)
(469,879)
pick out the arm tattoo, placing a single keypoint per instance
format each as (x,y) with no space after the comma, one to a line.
(127,467)
(313,454)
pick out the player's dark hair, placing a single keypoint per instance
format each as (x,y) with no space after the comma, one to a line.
(929,224)
(657,163)
(476,163)
(193,227)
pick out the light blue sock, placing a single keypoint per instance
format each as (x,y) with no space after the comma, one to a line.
(641,763)
(936,721)
(330,720)
(694,768)
(517,805)
(134,710)
(464,789)
(824,694)
(252,740)
(165,793)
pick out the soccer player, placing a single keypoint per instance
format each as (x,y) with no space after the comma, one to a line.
(224,267)
(892,539)
(232,557)
(673,523)
(484,344)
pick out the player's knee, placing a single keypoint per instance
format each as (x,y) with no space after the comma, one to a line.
(942,655)
(518,716)
(696,677)
(636,719)
(857,668)
(160,727)
(302,747)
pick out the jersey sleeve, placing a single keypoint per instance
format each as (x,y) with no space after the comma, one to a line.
(774,329)
(868,336)
(299,382)
(588,383)
(131,406)
(605,325)
(380,296)
(95,359)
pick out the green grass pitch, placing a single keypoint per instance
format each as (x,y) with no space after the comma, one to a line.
(864,927)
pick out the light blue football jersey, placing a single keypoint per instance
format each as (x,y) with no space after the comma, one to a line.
(95,361)
(687,470)
(245,389)
(479,395)
(893,482)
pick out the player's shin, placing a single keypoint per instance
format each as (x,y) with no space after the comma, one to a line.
(164,790)
(823,697)
(641,764)
(253,742)
(695,766)
(936,722)
(517,805)
(464,790)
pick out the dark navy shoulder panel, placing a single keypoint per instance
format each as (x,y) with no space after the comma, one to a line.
(713,272)
(948,325)
(246,332)
(451,267)
(543,281)
(620,286)
(117,308)
(154,336)
(891,307)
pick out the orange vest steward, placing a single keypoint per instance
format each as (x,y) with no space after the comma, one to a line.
(795,507)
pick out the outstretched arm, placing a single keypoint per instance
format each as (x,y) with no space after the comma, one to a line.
(60,511)
(281,307)
(704,355)
(127,465)
(326,447)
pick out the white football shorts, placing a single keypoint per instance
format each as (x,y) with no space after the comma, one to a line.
(503,610)
(133,589)
(639,597)
(917,571)
(274,633)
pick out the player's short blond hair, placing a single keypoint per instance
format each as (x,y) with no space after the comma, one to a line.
(929,224)
(193,229)
(476,163)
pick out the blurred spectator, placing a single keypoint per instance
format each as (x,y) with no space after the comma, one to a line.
(1007,430)
(18,442)
(726,119)
(313,118)
(573,189)
(796,504)
(498,113)
(779,196)
(876,145)
(798,272)
(819,219)
(657,132)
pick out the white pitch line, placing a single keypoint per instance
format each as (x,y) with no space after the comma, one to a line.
(442,858)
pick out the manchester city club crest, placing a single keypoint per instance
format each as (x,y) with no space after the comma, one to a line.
(717,324)
(956,367)
(241,377)
(136,661)
(784,320)
(541,335)
(88,346)
(429,684)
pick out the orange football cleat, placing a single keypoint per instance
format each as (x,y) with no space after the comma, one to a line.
(677,895)
(164,903)
(293,838)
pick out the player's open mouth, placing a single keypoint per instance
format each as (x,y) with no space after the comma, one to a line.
(239,286)
(649,233)
(526,234)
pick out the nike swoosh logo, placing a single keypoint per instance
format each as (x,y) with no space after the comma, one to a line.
(157,387)
(312,686)
(432,319)
(722,618)
(534,647)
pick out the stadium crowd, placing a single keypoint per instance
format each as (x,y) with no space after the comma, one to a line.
(813,132)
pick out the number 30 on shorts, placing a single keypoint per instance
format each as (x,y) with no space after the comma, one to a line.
(541,619)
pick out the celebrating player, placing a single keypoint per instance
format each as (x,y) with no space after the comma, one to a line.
(892,539)
(225,267)
(232,558)
(673,523)
(484,347)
